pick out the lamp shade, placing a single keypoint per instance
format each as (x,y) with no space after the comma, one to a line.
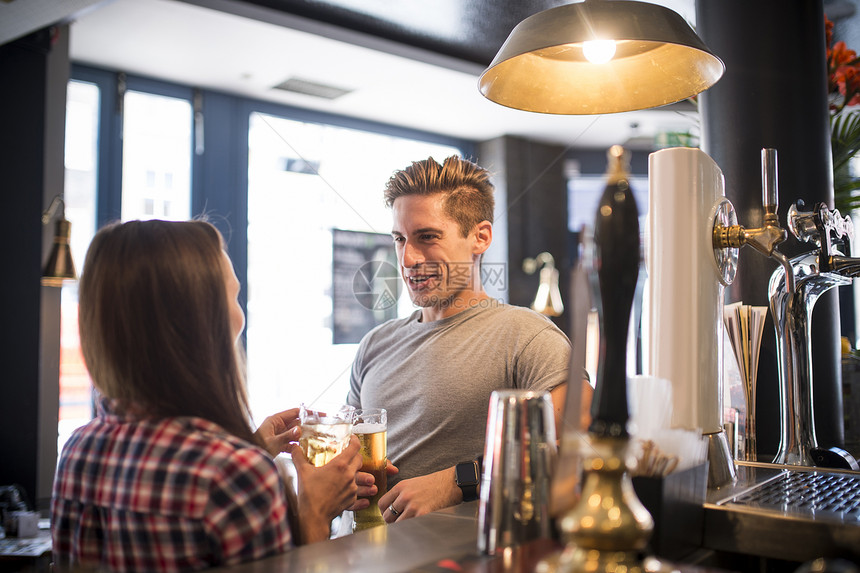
(60,266)
(543,66)
(548,298)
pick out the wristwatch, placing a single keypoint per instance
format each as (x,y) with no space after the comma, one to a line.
(466,475)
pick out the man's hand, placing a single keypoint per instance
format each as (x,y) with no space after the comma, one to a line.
(278,431)
(420,495)
(325,492)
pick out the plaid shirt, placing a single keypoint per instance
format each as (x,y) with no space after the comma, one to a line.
(164,495)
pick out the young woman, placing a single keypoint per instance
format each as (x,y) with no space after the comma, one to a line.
(170,476)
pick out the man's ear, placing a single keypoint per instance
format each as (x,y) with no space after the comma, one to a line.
(483,233)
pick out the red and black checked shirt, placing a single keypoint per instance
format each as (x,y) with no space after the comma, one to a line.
(164,495)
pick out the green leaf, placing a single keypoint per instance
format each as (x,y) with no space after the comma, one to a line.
(844,138)
(845,144)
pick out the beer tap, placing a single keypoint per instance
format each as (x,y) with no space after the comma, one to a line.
(793,292)
(727,238)
(764,239)
(794,288)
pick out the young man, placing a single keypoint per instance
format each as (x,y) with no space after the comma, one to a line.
(434,371)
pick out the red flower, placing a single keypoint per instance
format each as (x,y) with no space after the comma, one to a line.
(848,82)
(840,55)
(843,69)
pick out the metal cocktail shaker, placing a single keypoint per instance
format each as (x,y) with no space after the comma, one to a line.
(519,458)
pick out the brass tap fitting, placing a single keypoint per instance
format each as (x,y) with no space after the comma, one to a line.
(764,239)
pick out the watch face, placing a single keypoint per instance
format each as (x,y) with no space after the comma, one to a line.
(467,473)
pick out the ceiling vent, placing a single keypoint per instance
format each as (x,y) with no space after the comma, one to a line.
(310,88)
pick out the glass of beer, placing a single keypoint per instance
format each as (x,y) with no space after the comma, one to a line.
(325,431)
(371,427)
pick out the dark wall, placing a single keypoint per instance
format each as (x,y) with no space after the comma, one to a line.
(35,72)
(535,190)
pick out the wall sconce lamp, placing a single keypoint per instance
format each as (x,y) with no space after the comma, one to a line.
(600,56)
(60,266)
(548,298)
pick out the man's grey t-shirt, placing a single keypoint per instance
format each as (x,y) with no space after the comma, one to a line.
(435,379)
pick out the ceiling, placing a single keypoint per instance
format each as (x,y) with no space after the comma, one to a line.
(248,48)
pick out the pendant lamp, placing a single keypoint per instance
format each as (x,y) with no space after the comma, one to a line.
(600,56)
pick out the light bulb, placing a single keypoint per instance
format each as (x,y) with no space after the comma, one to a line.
(599,51)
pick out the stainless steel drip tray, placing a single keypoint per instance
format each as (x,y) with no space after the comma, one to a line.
(786,512)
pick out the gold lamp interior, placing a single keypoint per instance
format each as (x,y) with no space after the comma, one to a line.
(542,66)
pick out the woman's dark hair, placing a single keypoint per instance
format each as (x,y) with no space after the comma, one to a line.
(155,323)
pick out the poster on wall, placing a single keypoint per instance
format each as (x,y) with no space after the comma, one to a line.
(365,283)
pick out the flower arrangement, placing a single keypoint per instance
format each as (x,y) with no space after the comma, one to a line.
(843,86)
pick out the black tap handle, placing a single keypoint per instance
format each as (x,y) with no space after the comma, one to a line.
(617,255)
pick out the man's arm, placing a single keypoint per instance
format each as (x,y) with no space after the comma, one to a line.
(559,396)
(559,399)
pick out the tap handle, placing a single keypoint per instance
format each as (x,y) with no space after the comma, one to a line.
(820,225)
(617,251)
(834,222)
(804,225)
(834,226)
(769,181)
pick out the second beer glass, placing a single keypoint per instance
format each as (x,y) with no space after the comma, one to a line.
(325,431)
(371,427)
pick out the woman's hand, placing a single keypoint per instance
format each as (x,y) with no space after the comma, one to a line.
(367,486)
(325,492)
(279,431)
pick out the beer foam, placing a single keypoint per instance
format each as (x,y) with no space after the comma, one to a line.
(368,428)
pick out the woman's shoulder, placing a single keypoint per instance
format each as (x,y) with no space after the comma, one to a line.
(218,443)
(181,441)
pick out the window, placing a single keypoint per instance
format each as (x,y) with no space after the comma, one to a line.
(156,162)
(156,183)
(583,197)
(304,180)
(81,158)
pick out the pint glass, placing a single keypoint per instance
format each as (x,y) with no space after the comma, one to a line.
(371,428)
(325,431)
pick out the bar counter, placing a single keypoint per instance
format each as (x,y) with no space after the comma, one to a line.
(445,540)
(416,544)
(736,535)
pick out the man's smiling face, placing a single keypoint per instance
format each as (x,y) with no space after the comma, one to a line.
(437,263)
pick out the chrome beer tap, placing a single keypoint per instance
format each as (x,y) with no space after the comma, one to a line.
(764,239)
(793,292)
(727,238)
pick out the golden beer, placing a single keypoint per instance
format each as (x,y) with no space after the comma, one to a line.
(322,442)
(325,431)
(373,436)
